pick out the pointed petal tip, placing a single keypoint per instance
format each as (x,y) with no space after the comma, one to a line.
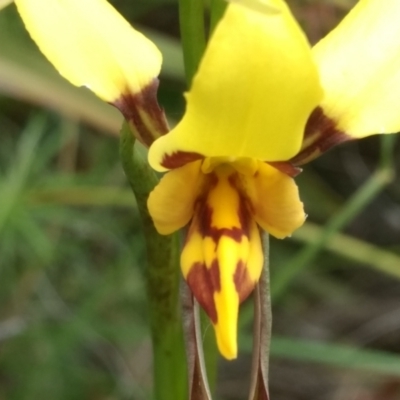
(226,341)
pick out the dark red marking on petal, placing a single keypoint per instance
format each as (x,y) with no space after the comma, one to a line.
(208,230)
(243,284)
(132,105)
(320,135)
(204,213)
(245,207)
(179,159)
(286,167)
(204,282)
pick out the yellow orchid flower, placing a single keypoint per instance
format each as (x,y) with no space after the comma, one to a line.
(261,103)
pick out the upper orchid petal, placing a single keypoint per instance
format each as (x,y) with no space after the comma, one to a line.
(92,45)
(359,65)
(255,88)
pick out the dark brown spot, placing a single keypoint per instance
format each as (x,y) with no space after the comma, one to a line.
(204,282)
(243,284)
(320,135)
(132,106)
(179,158)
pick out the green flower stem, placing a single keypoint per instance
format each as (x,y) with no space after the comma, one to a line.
(216,12)
(382,177)
(191,17)
(162,275)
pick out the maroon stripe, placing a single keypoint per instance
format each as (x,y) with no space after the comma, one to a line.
(204,283)
(179,159)
(325,133)
(286,167)
(130,106)
(243,284)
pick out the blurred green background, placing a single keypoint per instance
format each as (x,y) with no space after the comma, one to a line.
(73,318)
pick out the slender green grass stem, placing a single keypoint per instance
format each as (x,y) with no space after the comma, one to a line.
(191,17)
(352,249)
(216,12)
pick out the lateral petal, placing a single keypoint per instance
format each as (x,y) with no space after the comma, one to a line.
(255,88)
(359,64)
(171,203)
(275,201)
(92,45)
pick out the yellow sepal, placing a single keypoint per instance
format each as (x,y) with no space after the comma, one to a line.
(92,45)
(359,64)
(275,201)
(255,88)
(171,203)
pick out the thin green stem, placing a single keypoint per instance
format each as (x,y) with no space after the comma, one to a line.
(162,276)
(387,154)
(383,176)
(333,355)
(217,10)
(191,17)
(336,355)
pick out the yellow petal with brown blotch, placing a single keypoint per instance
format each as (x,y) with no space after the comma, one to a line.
(359,65)
(92,45)
(222,257)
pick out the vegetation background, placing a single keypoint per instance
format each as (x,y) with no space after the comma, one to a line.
(73,318)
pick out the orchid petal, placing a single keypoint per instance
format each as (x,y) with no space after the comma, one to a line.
(359,64)
(222,257)
(275,201)
(92,45)
(172,201)
(255,88)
